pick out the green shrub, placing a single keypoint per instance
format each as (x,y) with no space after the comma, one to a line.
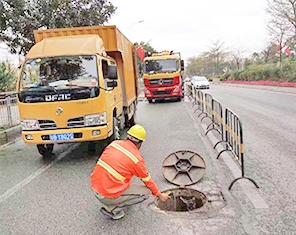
(236,74)
(267,74)
(226,76)
(7,77)
(287,68)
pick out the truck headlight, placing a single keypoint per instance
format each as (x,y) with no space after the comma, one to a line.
(95,119)
(176,89)
(147,92)
(30,124)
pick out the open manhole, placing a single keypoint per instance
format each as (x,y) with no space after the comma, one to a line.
(182,199)
(183,168)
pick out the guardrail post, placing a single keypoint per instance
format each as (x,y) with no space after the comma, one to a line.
(190,95)
(8,107)
(208,107)
(234,143)
(194,96)
(217,119)
(201,102)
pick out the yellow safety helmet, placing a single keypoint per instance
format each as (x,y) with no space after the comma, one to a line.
(138,132)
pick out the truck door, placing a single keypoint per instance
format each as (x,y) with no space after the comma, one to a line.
(113,95)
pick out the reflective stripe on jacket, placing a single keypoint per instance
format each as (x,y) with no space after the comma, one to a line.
(119,162)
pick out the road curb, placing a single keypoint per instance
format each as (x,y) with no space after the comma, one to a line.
(247,188)
(10,135)
(291,90)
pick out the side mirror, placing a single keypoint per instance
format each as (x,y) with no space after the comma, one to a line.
(112,84)
(112,72)
(182,65)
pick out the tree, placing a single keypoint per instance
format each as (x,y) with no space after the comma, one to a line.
(195,66)
(217,54)
(283,11)
(270,54)
(148,49)
(146,45)
(18,18)
(237,57)
(7,77)
(279,31)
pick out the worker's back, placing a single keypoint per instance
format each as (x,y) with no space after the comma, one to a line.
(115,168)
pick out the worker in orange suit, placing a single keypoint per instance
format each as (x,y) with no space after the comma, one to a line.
(111,178)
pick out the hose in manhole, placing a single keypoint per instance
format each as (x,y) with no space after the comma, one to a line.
(182,199)
(183,168)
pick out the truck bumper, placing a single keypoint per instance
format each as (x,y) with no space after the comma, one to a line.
(163,93)
(79,134)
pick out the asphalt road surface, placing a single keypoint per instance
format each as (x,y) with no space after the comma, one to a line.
(54,197)
(269,127)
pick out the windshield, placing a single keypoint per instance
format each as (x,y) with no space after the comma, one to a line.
(59,71)
(199,79)
(161,66)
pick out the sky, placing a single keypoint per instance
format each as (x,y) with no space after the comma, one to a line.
(5,55)
(189,26)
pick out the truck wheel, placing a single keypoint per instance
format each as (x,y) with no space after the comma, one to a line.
(45,150)
(133,120)
(150,101)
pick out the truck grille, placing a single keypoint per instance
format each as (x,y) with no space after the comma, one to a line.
(47,124)
(167,92)
(76,122)
(164,81)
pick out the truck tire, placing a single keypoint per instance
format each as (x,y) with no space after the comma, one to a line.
(45,150)
(150,101)
(133,120)
(95,148)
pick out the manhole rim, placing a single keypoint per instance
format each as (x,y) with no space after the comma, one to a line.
(205,202)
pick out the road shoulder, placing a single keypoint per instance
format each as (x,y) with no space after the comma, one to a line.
(10,135)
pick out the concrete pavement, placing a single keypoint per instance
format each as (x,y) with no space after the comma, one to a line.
(9,135)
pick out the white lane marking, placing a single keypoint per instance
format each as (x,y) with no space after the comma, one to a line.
(30,178)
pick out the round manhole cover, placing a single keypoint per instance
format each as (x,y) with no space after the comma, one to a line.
(183,168)
(182,199)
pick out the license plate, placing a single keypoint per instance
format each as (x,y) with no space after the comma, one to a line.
(62,136)
(161,89)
